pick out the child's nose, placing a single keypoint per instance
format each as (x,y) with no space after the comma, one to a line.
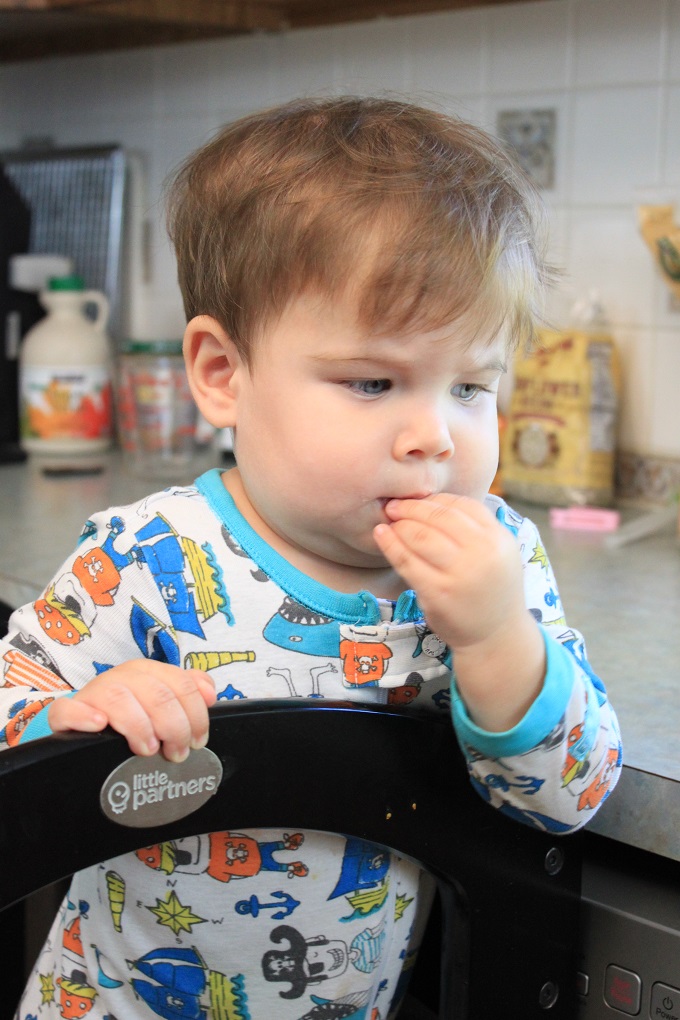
(427,434)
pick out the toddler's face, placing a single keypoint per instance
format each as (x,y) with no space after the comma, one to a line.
(331,423)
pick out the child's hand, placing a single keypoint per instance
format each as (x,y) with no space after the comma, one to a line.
(463,565)
(466,570)
(153,704)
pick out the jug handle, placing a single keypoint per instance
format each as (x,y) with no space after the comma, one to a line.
(101,303)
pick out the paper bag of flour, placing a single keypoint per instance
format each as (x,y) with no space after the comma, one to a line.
(559,443)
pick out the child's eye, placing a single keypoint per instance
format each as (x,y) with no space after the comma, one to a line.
(370,387)
(466,391)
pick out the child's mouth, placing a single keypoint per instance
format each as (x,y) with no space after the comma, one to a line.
(384,500)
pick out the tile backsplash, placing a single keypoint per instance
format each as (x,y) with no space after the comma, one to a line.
(609,69)
(649,479)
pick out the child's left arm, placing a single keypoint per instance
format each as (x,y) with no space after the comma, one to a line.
(467,572)
(541,740)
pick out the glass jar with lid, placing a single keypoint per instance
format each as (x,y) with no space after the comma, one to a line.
(157,417)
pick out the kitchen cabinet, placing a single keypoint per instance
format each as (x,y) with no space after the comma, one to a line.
(30,29)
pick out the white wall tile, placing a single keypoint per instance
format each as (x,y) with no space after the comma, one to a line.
(372,57)
(446,53)
(162,316)
(307,63)
(561,296)
(665,408)
(608,255)
(528,47)
(618,41)
(26,107)
(117,82)
(667,306)
(157,308)
(198,78)
(104,84)
(471,108)
(192,77)
(91,129)
(174,139)
(673,69)
(670,168)
(637,358)
(616,139)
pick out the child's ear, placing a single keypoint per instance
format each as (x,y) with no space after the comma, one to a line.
(213,366)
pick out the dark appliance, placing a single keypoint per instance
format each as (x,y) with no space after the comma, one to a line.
(18,311)
(77,200)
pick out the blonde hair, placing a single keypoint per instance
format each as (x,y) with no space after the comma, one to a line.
(426,215)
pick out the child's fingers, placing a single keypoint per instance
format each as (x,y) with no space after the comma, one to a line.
(411,566)
(125,713)
(92,710)
(69,714)
(195,692)
(438,530)
(428,545)
(206,686)
(430,536)
(457,516)
(176,702)
(152,704)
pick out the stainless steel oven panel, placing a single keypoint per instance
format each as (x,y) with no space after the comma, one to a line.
(630,934)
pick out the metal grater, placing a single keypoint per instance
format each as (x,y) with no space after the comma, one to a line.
(76,198)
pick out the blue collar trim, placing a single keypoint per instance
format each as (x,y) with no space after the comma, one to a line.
(360,609)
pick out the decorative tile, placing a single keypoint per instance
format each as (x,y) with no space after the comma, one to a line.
(654,479)
(531,134)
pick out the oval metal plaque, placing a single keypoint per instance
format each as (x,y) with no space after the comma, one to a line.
(150,791)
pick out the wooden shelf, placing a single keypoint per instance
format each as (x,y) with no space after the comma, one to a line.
(31,29)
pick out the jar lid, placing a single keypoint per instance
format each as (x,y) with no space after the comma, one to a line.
(156,347)
(71,282)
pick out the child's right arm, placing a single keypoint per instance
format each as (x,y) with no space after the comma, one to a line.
(153,704)
(74,659)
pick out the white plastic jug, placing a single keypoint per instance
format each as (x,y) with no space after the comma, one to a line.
(65,374)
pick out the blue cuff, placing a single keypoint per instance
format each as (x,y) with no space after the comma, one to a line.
(541,718)
(39,726)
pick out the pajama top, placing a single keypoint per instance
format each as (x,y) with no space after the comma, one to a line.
(272,924)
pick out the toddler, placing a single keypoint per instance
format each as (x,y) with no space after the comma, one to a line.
(356,275)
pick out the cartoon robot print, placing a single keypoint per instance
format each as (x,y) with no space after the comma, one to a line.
(76,995)
(28,664)
(363,878)
(307,961)
(21,714)
(187,576)
(176,984)
(224,856)
(365,656)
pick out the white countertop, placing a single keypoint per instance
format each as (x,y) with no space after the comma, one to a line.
(625,600)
